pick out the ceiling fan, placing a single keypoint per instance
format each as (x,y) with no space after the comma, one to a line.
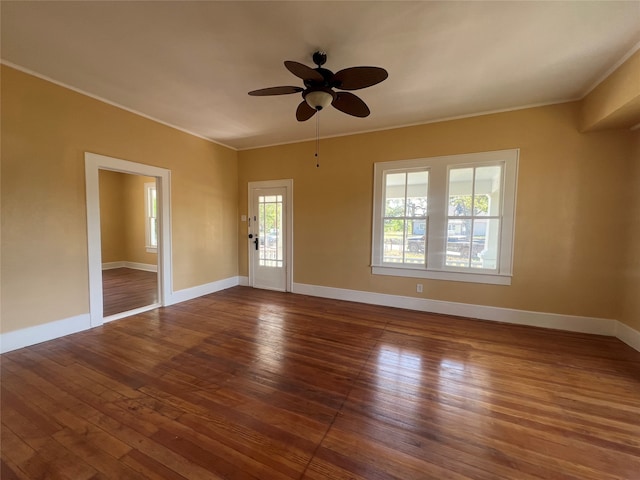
(320,84)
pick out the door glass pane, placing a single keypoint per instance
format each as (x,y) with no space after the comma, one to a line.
(271,245)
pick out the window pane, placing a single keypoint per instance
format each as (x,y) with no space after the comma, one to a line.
(487,190)
(460,191)
(152,192)
(458,243)
(153,232)
(395,192)
(416,246)
(417,189)
(486,233)
(393,239)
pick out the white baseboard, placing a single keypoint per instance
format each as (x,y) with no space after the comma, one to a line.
(628,335)
(112,265)
(32,335)
(147,267)
(200,290)
(599,326)
(42,333)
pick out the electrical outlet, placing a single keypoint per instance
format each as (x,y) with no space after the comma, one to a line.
(419,288)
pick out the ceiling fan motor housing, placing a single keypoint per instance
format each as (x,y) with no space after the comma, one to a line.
(319,58)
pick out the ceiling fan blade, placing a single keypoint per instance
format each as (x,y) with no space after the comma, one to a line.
(351,104)
(302,71)
(304,111)
(355,78)
(275,91)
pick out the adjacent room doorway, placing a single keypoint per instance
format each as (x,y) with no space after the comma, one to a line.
(270,242)
(129,242)
(95,163)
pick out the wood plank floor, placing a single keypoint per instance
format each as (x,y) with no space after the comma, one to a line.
(125,289)
(250,384)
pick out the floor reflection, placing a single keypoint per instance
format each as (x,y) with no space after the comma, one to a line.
(269,338)
(455,377)
(399,375)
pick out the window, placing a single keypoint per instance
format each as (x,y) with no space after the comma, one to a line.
(151,217)
(448,218)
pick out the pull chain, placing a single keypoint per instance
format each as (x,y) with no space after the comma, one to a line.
(317,140)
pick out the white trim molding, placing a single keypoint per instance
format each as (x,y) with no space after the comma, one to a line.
(571,323)
(41,333)
(201,290)
(628,335)
(599,326)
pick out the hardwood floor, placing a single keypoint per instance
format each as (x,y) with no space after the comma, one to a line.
(125,289)
(250,384)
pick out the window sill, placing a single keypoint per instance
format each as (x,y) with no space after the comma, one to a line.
(152,249)
(492,279)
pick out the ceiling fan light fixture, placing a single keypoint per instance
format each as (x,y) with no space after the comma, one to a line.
(318,99)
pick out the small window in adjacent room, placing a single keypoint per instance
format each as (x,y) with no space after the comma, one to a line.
(448,218)
(151,216)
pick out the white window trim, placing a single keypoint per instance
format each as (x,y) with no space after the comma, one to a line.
(437,206)
(147,232)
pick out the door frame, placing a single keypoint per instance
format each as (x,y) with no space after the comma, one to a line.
(93,164)
(287,184)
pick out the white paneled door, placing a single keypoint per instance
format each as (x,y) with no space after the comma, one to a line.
(269,235)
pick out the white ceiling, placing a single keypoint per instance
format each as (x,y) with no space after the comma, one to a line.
(191,64)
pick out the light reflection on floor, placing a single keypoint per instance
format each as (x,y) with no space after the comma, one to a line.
(399,374)
(409,378)
(270,338)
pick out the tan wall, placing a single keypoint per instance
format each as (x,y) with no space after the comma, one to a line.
(112,219)
(570,188)
(123,219)
(631,271)
(615,102)
(46,130)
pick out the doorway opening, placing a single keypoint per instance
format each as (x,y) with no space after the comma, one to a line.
(129,242)
(109,181)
